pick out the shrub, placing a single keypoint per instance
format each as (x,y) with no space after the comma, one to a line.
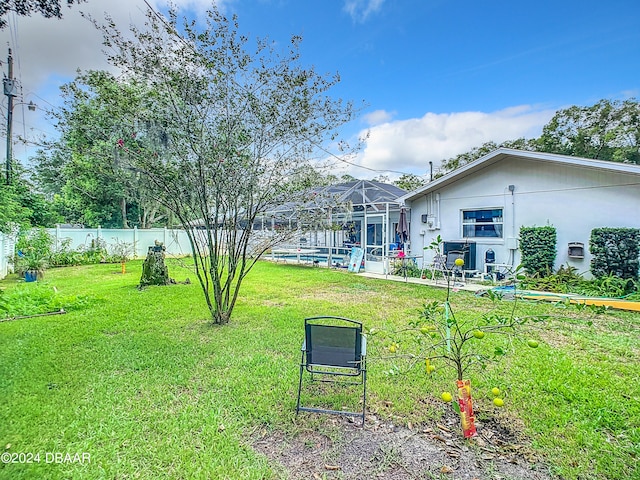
(615,251)
(38,298)
(568,280)
(609,286)
(565,280)
(538,247)
(65,256)
(33,250)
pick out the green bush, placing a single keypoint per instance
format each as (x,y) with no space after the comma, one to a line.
(615,251)
(33,251)
(64,256)
(406,269)
(538,247)
(568,280)
(609,286)
(565,280)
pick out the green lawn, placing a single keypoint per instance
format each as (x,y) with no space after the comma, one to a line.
(145,385)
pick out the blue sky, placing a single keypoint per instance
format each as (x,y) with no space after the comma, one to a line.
(411,57)
(438,77)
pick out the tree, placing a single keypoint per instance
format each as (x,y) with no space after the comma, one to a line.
(444,338)
(21,205)
(409,182)
(486,148)
(48,8)
(89,165)
(236,126)
(11,212)
(308,178)
(608,130)
(381,178)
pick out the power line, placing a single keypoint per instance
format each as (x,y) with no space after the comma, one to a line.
(43,99)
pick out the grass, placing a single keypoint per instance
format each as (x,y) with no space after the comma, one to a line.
(143,383)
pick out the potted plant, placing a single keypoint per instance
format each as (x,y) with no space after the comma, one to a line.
(33,253)
(32,264)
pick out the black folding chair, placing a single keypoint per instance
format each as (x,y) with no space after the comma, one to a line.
(334,346)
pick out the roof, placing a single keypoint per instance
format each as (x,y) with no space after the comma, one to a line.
(363,192)
(503,153)
(357,194)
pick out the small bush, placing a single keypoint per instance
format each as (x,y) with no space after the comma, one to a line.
(610,286)
(538,246)
(565,280)
(408,269)
(615,251)
(33,251)
(64,256)
(96,252)
(568,280)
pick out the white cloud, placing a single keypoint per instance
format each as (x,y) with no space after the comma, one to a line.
(359,10)
(50,48)
(377,117)
(48,52)
(409,145)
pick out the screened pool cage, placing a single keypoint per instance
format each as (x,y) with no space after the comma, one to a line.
(361,213)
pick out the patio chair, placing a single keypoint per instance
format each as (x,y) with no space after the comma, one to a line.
(439,264)
(334,347)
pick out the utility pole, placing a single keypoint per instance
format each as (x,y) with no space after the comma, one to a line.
(10,88)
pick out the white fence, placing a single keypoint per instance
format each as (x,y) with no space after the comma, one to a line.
(139,241)
(7,247)
(175,241)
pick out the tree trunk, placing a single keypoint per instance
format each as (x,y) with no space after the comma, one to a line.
(154,271)
(123,209)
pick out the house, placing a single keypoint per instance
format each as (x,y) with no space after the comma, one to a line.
(482,205)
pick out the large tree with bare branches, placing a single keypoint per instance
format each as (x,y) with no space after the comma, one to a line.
(235,121)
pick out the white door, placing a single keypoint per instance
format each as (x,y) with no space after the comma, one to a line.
(375,234)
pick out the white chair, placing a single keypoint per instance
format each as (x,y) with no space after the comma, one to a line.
(438,264)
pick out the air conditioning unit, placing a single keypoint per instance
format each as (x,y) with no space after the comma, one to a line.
(460,249)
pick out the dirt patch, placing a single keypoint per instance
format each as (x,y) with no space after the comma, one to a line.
(340,449)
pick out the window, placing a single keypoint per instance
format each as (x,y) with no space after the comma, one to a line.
(482,223)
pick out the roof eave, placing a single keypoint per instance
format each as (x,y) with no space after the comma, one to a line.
(501,153)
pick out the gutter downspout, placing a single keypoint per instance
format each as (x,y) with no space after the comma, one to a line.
(512,253)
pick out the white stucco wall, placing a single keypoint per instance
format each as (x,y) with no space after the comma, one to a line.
(573,199)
